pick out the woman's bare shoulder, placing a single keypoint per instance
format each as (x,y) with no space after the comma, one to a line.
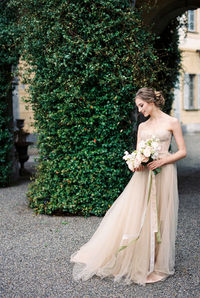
(143,125)
(172,121)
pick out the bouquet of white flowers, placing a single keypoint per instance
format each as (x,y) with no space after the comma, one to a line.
(148,151)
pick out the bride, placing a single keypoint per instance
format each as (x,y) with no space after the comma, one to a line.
(125,245)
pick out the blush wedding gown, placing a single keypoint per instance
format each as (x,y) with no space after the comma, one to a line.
(136,237)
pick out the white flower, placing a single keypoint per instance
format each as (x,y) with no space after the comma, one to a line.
(141,145)
(147,152)
(144,158)
(139,156)
(133,155)
(137,163)
(126,156)
(130,165)
(155,155)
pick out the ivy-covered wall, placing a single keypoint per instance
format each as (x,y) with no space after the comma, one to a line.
(86,60)
(8,57)
(170,56)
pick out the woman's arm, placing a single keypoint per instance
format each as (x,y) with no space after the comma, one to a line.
(180,153)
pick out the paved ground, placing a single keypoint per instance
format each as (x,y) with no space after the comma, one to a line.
(35,250)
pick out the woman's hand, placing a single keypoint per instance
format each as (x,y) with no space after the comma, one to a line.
(156,164)
(140,168)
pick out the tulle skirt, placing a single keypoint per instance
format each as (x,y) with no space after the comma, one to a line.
(137,235)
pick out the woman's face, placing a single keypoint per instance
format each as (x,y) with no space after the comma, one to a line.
(144,107)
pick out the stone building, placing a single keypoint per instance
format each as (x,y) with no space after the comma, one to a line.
(187,93)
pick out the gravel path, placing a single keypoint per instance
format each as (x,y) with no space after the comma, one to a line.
(35,250)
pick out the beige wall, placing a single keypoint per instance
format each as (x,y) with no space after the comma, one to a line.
(191,60)
(191,64)
(25,110)
(189,45)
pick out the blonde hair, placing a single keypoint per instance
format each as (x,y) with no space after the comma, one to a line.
(150,95)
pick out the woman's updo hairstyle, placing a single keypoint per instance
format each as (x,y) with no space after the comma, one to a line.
(150,95)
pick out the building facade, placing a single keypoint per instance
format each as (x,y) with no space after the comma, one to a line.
(187,94)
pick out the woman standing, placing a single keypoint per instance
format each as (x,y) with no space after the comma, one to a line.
(126,243)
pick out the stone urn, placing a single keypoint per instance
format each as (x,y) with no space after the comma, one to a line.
(21,146)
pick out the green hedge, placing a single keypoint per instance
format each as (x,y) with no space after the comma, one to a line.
(8,57)
(170,56)
(88,59)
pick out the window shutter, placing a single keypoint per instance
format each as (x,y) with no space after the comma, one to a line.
(198,96)
(186,91)
(191,20)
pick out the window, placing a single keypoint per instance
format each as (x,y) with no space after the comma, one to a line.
(191,21)
(198,98)
(189,91)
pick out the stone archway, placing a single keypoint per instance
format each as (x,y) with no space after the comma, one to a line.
(161,12)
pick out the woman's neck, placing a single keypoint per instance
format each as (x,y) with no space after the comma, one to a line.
(156,114)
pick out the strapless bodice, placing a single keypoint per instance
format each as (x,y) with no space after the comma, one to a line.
(163,135)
